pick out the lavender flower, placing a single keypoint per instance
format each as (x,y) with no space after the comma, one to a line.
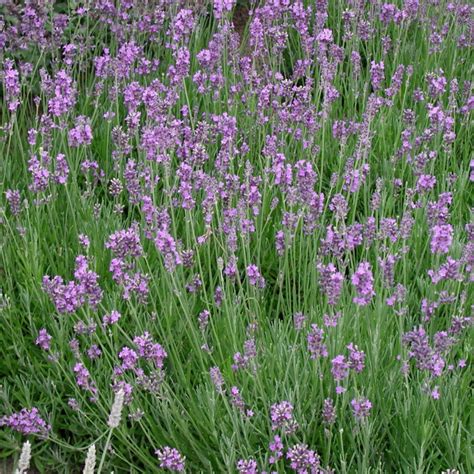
(254,276)
(245,360)
(81,134)
(223,6)
(247,466)
(425,356)
(26,422)
(149,350)
(363,281)
(281,415)
(331,282)
(217,379)
(340,368)
(11,79)
(129,358)
(361,408)
(315,342)
(276,448)
(171,459)
(302,459)
(43,340)
(299,320)
(328,412)
(112,318)
(356,358)
(14,200)
(125,243)
(167,246)
(236,399)
(62,91)
(377,74)
(441,238)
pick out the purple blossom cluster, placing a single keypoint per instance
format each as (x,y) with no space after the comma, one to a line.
(26,422)
(126,248)
(302,459)
(281,415)
(361,408)
(142,365)
(69,297)
(43,340)
(331,282)
(247,359)
(315,340)
(363,281)
(44,171)
(171,459)
(342,365)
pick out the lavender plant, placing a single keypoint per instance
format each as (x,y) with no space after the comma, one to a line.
(249,223)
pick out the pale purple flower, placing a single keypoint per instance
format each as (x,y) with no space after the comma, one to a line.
(39,173)
(435,393)
(94,352)
(61,171)
(331,281)
(340,368)
(43,340)
(299,320)
(183,24)
(436,83)
(166,244)
(171,459)
(218,296)
(62,91)
(111,318)
(129,358)
(26,422)
(276,448)
(245,360)
(223,6)
(441,238)
(247,466)
(302,459)
(426,182)
(377,74)
(149,350)
(14,200)
(83,379)
(11,80)
(325,36)
(203,319)
(125,243)
(69,297)
(84,240)
(331,320)
(237,400)
(361,408)
(254,276)
(328,412)
(281,415)
(217,379)
(316,345)
(450,270)
(356,358)
(363,281)
(425,356)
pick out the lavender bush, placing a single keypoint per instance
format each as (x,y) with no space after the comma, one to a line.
(236,236)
